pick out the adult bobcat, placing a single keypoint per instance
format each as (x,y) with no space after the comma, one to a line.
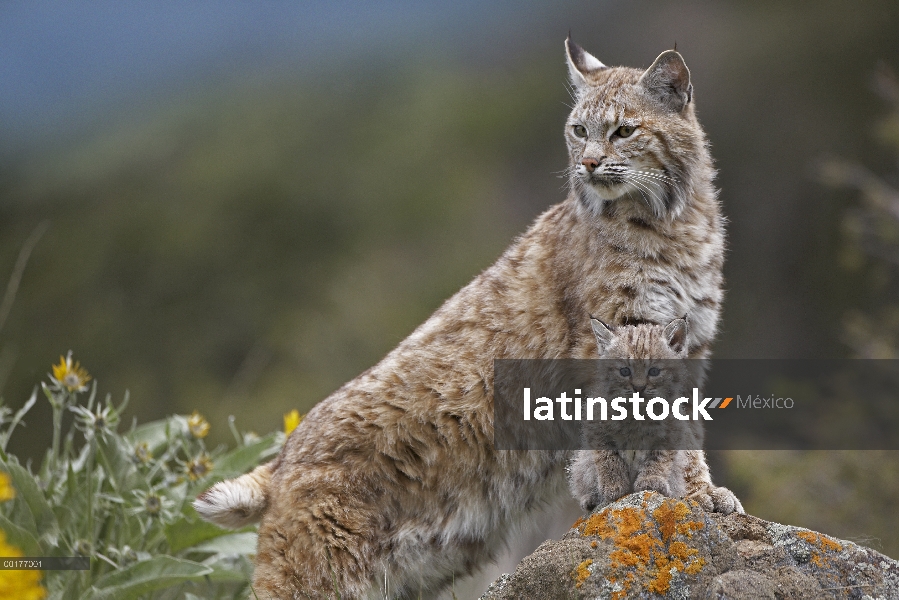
(391,486)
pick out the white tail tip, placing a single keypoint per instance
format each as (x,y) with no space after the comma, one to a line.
(236,502)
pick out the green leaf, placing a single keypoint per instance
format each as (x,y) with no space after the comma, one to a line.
(20,537)
(233,543)
(222,575)
(185,533)
(28,490)
(139,579)
(152,433)
(240,460)
(115,455)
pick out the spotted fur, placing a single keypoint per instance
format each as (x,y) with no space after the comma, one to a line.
(629,456)
(391,486)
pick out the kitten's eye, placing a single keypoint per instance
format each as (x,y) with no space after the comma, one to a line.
(580,131)
(626,372)
(625,131)
(653,372)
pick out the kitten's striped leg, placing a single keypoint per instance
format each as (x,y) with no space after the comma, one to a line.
(699,484)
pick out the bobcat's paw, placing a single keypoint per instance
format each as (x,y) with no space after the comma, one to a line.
(719,500)
(704,500)
(726,501)
(612,491)
(589,502)
(653,483)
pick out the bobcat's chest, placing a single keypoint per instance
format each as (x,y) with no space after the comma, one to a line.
(646,290)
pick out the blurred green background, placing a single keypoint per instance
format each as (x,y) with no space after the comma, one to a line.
(249,204)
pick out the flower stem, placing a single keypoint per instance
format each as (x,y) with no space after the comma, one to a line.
(57,432)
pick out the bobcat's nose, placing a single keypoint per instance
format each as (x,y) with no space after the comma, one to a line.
(590,162)
(639,388)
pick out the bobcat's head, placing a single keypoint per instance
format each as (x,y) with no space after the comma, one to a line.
(645,358)
(633,134)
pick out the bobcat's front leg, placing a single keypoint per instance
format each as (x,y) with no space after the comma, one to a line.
(613,475)
(655,474)
(598,477)
(699,484)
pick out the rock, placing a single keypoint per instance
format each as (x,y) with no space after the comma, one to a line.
(648,546)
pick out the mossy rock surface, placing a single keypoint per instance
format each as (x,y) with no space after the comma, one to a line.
(648,546)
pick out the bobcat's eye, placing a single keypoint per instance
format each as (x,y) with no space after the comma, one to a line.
(580,131)
(653,372)
(624,131)
(626,372)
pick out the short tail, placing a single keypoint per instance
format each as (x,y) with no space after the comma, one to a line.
(236,502)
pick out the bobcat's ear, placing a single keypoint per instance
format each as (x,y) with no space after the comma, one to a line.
(603,334)
(668,81)
(580,64)
(676,335)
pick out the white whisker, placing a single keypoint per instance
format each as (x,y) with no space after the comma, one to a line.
(644,188)
(654,185)
(659,175)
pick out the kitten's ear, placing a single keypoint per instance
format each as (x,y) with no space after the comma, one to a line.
(580,63)
(676,335)
(668,81)
(603,334)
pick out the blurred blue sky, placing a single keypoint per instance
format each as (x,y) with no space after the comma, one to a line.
(60,58)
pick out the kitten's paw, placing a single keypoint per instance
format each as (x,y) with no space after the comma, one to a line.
(719,500)
(615,490)
(653,483)
(726,501)
(591,501)
(704,500)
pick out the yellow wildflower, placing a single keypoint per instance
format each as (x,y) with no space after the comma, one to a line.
(199,467)
(22,585)
(142,454)
(7,491)
(291,420)
(72,376)
(197,425)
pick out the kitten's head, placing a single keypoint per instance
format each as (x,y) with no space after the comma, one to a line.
(643,358)
(633,134)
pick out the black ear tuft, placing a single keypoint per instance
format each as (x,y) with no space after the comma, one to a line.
(676,335)
(580,63)
(603,334)
(668,81)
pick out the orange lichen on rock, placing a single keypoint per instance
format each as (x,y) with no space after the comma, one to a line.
(629,521)
(661,583)
(596,524)
(634,551)
(667,517)
(679,554)
(645,547)
(695,567)
(822,541)
(681,550)
(688,527)
(582,572)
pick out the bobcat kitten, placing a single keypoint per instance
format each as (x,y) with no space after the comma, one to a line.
(628,456)
(391,486)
